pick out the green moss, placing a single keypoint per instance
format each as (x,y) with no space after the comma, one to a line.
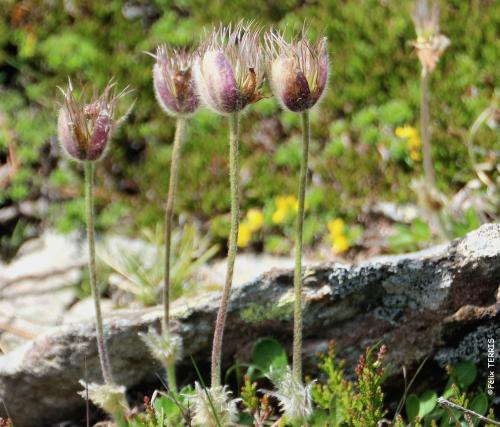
(256,313)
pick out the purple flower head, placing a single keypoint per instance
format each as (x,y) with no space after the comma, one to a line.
(173,81)
(229,71)
(298,70)
(85,129)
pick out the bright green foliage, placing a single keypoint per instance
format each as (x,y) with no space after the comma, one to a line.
(338,402)
(249,395)
(343,403)
(334,396)
(268,354)
(459,390)
(165,410)
(367,407)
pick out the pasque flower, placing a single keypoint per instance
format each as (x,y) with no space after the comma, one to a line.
(85,126)
(174,84)
(298,70)
(298,73)
(229,71)
(176,93)
(229,74)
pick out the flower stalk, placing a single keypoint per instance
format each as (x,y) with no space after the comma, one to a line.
(297,277)
(169,208)
(233,247)
(429,175)
(89,209)
(298,73)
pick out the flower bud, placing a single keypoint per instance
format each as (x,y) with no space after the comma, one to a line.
(85,129)
(173,82)
(229,72)
(298,70)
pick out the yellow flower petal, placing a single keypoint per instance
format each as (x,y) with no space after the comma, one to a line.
(340,245)
(281,202)
(255,219)
(244,235)
(406,132)
(279,216)
(336,227)
(413,142)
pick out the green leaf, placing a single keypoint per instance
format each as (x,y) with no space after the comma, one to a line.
(464,374)
(479,404)
(268,353)
(428,401)
(412,407)
(166,405)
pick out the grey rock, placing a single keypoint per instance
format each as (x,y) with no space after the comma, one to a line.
(436,303)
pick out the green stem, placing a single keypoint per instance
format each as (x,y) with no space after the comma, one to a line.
(89,205)
(169,209)
(425,130)
(297,277)
(231,257)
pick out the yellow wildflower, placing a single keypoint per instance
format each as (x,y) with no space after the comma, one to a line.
(285,205)
(406,132)
(340,244)
(412,140)
(244,235)
(281,203)
(336,227)
(279,216)
(254,219)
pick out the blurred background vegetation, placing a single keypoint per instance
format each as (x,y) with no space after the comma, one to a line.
(362,151)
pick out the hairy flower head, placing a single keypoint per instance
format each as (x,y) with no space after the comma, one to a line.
(109,397)
(229,71)
(85,126)
(166,349)
(174,84)
(206,400)
(294,398)
(298,70)
(430,44)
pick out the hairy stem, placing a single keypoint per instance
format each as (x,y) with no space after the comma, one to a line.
(429,175)
(231,257)
(425,130)
(169,209)
(297,277)
(89,205)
